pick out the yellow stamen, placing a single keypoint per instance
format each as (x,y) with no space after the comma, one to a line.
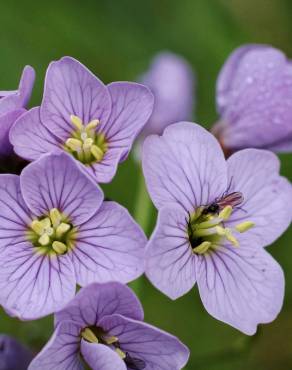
(202,248)
(121,353)
(62,229)
(74,144)
(244,226)
(59,247)
(37,227)
(110,340)
(96,152)
(225,213)
(229,236)
(88,335)
(55,217)
(92,124)
(87,143)
(44,239)
(77,122)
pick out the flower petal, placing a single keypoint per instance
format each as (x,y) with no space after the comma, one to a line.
(62,350)
(171,80)
(185,166)
(17,99)
(98,300)
(255,173)
(14,355)
(132,105)
(14,215)
(242,287)
(101,357)
(254,94)
(34,285)
(109,247)
(30,138)
(170,262)
(156,348)
(6,121)
(70,88)
(228,73)
(56,181)
(104,171)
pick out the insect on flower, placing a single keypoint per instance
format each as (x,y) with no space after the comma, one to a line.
(233,199)
(134,363)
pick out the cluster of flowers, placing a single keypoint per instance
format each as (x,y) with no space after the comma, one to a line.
(216,215)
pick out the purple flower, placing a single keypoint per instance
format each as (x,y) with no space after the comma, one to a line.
(12,106)
(254,100)
(96,124)
(214,218)
(55,231)
(102,326)
(13,355)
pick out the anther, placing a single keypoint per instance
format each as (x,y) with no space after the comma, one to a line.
(92,124)
(225,213)
(62,229)
(96,152)
(37,227)
(44,239)
(74,144)
(202,248)
(121,353)
(244,226)
(55,217)
(77,122)
(88,335)
(59,247)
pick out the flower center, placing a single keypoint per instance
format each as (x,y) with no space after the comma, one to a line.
(52,233)
(85,144)
(207,231)
(95,334)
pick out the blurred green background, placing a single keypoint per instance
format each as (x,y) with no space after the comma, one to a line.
(116,40)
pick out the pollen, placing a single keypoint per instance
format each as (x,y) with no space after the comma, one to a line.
(206,232)
(86,143)
(52,233)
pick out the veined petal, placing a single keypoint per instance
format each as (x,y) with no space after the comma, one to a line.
(62,350)
(71,89)
(14,215)
(14,355)
(104,171)
(98,300)
(6,121)
(34,285)
(56,181)
(132,105)
(101,357)
(242,287)
(185,166)
(266,194)
(170,261)
(30,138)
(156,348)
(109,247)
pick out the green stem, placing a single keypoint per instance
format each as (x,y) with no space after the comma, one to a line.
(142,213)
(142,205)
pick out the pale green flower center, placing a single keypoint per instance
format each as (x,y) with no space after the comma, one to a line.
(52,234)
(207,231)
(85,144)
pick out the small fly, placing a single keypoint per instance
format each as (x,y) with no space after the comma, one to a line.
(233,199)
(134,363)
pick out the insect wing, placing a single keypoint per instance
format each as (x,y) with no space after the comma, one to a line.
(232,199)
